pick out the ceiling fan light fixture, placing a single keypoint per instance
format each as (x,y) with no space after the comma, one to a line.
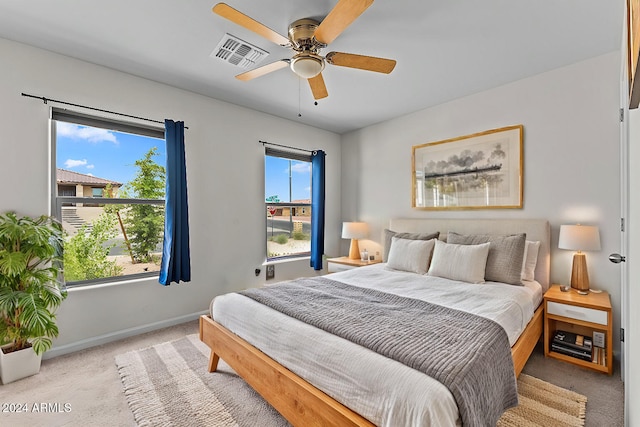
(307,65)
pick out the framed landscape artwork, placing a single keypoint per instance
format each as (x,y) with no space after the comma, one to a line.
(633,47)
(479,171)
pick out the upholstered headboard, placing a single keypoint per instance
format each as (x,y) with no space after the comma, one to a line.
(536,229)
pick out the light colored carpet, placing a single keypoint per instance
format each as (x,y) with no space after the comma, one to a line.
(88,380)
(168,385)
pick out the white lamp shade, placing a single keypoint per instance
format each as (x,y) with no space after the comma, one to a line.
(307,65)
(354,230)
(579,238)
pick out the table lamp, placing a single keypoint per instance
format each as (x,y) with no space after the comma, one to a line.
(579,238)
(354,231)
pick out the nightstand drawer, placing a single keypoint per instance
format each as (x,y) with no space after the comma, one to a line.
(345,263)
(334,267)
(576,312)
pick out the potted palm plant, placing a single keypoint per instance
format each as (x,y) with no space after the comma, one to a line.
(30,292)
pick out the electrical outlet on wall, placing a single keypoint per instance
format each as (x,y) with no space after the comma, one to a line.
(271,271)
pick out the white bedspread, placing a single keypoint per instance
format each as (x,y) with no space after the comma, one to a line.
(510,306)
(380,389)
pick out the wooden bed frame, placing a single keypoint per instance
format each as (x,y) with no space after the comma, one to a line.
(301,403)
(298,401)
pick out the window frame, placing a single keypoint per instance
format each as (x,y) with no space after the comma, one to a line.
(56,202)
(288,155)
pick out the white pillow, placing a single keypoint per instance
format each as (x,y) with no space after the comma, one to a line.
(529,260)
(410,255)
(465,263)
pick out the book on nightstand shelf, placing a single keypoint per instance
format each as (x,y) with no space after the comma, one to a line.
(574,341)
(599,356)
(573,345)
(579,354)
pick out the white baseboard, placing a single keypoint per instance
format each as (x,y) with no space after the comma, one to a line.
(118,335)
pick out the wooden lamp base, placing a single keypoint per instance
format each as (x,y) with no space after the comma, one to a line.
(354,249)
(579,273)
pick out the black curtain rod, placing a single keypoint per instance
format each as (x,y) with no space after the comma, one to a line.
(286,146)
(46,100)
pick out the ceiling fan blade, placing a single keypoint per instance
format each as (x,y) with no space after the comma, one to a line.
(250,24)
(261,71)
(361,62)
(340,17)
(318,87)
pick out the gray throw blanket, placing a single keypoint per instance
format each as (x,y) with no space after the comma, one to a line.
(469,354)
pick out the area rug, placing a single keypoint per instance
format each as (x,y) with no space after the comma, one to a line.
(168,385)
(544,404)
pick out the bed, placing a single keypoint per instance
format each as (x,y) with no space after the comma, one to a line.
(333,387)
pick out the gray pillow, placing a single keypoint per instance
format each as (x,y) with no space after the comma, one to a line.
(388,235)
(504,263)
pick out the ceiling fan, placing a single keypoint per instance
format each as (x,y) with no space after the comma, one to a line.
(307,37)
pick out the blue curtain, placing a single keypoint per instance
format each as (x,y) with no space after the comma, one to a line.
(317,209)
(176,264)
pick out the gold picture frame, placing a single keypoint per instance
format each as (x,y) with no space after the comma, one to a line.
(479,171)
(633,51)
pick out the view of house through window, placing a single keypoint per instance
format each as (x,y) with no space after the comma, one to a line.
(109,195)
(288,204)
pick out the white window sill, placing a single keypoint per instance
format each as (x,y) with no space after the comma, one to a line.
(287,260)
(111,284)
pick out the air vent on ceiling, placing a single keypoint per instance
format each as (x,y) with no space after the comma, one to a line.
(238,52)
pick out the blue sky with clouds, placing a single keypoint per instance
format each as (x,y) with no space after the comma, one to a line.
(277,179)
(111,155)
(103,153)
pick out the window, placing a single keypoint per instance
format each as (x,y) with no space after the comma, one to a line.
(108,191)
(288,204)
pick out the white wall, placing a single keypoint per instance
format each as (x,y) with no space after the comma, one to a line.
(571,160)
(570,119)
(225,175)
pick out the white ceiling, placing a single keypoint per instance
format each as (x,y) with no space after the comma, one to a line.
(445,49)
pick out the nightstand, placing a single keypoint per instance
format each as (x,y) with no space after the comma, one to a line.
(582,315)
(345,263)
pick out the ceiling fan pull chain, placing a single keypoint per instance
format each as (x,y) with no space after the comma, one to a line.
(299,90)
